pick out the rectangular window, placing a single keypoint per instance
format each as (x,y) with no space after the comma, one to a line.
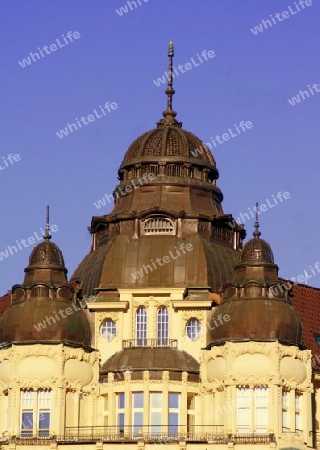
(285,408)
(243,410)
(105,410)
(155,412)
(141,326)
(137,412)
(252,410)
(44,407)
(298,412)
(35,413)
(174,399)
(191,414)
(261,403)
(120,412)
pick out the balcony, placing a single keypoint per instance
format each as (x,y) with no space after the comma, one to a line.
(162,342)
(213,434)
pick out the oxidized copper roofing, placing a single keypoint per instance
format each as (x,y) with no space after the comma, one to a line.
(207,264)
(44,307)
(169,144)
(19,323)
(256,305)
(167,175)
(147,358)
(46,253)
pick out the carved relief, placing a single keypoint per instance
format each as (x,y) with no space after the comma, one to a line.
(264,367)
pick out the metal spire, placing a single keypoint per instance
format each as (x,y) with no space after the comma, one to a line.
(47,227)
(170,91)
(256,232)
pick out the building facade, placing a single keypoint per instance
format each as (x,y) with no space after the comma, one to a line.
(172,332)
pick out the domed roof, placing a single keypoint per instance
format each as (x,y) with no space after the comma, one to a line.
(257,303)
(151,358)
(43,320)
(169,142)
(129,263)
(257,318)
(167,196)
(46,253)
(45,308)
(257,249)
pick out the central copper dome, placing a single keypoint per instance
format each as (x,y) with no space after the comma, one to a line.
(167,197)
(170,142)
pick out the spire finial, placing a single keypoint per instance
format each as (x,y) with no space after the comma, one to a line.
(47,227)
(169,113)
(256,232)
(170,91)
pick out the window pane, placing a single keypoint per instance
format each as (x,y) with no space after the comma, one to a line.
(108,330)
(173,423)
(138,399)
(155,422)
(261,420)
(121,401)
(121,422)
(44,423)
(44,420)
(44,398)
(137,422)
(173,400)
(193,329)
(27,398)
(141,326)
(27,423)
(162,326)
(155,399)
(285,422)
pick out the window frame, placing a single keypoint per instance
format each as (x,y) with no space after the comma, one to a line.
(110,328)
(191,327)
(162,326)
(141,325)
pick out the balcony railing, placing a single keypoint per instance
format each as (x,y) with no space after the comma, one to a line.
(161,342)
(214,434)
(316,438)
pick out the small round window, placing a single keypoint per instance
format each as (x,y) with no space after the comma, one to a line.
(193,329)
(108,330)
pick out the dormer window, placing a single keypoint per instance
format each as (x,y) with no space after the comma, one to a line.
(158,225)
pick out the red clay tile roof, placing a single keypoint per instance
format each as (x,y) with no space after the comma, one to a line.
(5,302)
(306,301)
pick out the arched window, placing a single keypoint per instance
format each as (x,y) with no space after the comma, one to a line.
(193,329)
(141,326)
(108,330)
(162,326)
(158,225)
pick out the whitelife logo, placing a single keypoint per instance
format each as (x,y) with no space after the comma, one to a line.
(53,47)
(9,159)
(187,66)
(165,260)
(304,94)
(124,9)
(285,15)
(90,118)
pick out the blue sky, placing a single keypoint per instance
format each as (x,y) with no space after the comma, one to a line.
(115,59)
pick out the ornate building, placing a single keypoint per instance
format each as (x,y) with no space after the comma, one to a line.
(171,332)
